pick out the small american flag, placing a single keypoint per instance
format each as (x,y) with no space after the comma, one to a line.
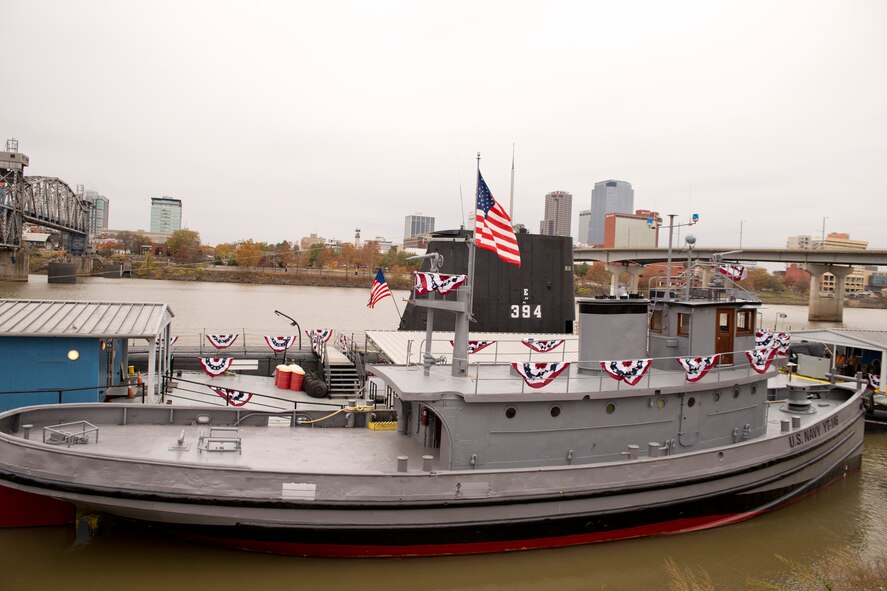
(380,289)
(492,226)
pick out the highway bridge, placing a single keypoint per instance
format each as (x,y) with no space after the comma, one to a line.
(824,306)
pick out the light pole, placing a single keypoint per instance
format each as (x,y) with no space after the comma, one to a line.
(654,223)
(740,232)
(823,232)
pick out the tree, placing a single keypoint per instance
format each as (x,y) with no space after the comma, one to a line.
(318,256)
(248,254)
(184,246)
(581,270)
(133,241)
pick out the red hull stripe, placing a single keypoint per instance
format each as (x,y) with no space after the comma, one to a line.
(352,551)
(22,509)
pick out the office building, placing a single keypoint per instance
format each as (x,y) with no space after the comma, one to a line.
(801,241)
(166,215)
(584,225)
(625,230)
(558,209)
(608,196)
(414,225)
(98,212)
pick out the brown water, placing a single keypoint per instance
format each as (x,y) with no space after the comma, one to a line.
(851,514)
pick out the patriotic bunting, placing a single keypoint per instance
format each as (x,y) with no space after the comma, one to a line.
(733,272)
(630,372)
(234,397)
(697,367)
(782,342)
(222,341)
(279,344)
(767,339)
(318,336)
(538,375)
(216,366)
(542,346)
(760,359)
(763,338)
(475,346)
(442,284)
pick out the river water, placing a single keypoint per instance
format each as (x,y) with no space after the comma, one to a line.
(850,515)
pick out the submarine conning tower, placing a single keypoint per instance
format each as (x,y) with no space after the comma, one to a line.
(611,329)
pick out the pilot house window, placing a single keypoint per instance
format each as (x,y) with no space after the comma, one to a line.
(656,321)
(745,322)
(683,324)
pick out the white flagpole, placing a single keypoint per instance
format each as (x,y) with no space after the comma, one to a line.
(511,199)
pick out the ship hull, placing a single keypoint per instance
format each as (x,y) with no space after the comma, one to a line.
(689,497)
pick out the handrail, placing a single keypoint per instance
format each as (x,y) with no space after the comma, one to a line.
(62,391)
(213,396)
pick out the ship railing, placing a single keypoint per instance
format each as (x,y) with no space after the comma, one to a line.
(177,387)
(589,376)
(444,348)
(118,390)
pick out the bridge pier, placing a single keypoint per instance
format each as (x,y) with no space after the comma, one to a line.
(634,272)
(826,306)
(14,265)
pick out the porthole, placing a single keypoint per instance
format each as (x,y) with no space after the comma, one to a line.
(716,396)
(735,392)
(691,402)
(720,455)
(510,412)
(611,408)
(555,411)
(660,403)
(754,389)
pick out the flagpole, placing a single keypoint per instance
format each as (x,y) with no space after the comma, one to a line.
(511,199)
(396,307)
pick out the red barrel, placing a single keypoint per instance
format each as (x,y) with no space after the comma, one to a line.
(283,376)
(298,376)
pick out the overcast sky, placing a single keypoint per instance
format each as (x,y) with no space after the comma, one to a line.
(272,120)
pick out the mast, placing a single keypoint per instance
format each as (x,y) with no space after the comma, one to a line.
(465,297)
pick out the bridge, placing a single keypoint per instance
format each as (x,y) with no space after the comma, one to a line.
(825,306)
(46,201)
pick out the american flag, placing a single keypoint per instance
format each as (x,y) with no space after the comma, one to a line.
(380,289)
(492,227)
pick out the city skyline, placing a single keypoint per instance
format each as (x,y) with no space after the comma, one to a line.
(738,112)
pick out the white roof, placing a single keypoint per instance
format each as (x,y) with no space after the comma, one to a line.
(860,339)
(35,237)
(508,347)
(54,318)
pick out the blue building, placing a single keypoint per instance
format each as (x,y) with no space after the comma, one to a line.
(55,351)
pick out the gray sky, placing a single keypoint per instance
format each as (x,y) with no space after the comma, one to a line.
(271,120)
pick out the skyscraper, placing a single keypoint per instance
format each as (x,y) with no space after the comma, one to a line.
(608,196)
(558,209)
(414,225)
(166,215)
(98,213)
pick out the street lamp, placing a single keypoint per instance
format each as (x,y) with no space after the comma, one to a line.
(655,223)
(740,232)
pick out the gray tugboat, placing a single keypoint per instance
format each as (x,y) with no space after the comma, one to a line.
(661,426)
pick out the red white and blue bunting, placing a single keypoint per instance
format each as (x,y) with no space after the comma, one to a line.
(542,346)
(222,341)
(697,367)
(279,344)
(475,346)
(782,342)
(442,284)
(630,371)
(538,375)
(318,336)
(767,339)
(733,272)
(342,343)
(216,366)
(234,397)
(760,359)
